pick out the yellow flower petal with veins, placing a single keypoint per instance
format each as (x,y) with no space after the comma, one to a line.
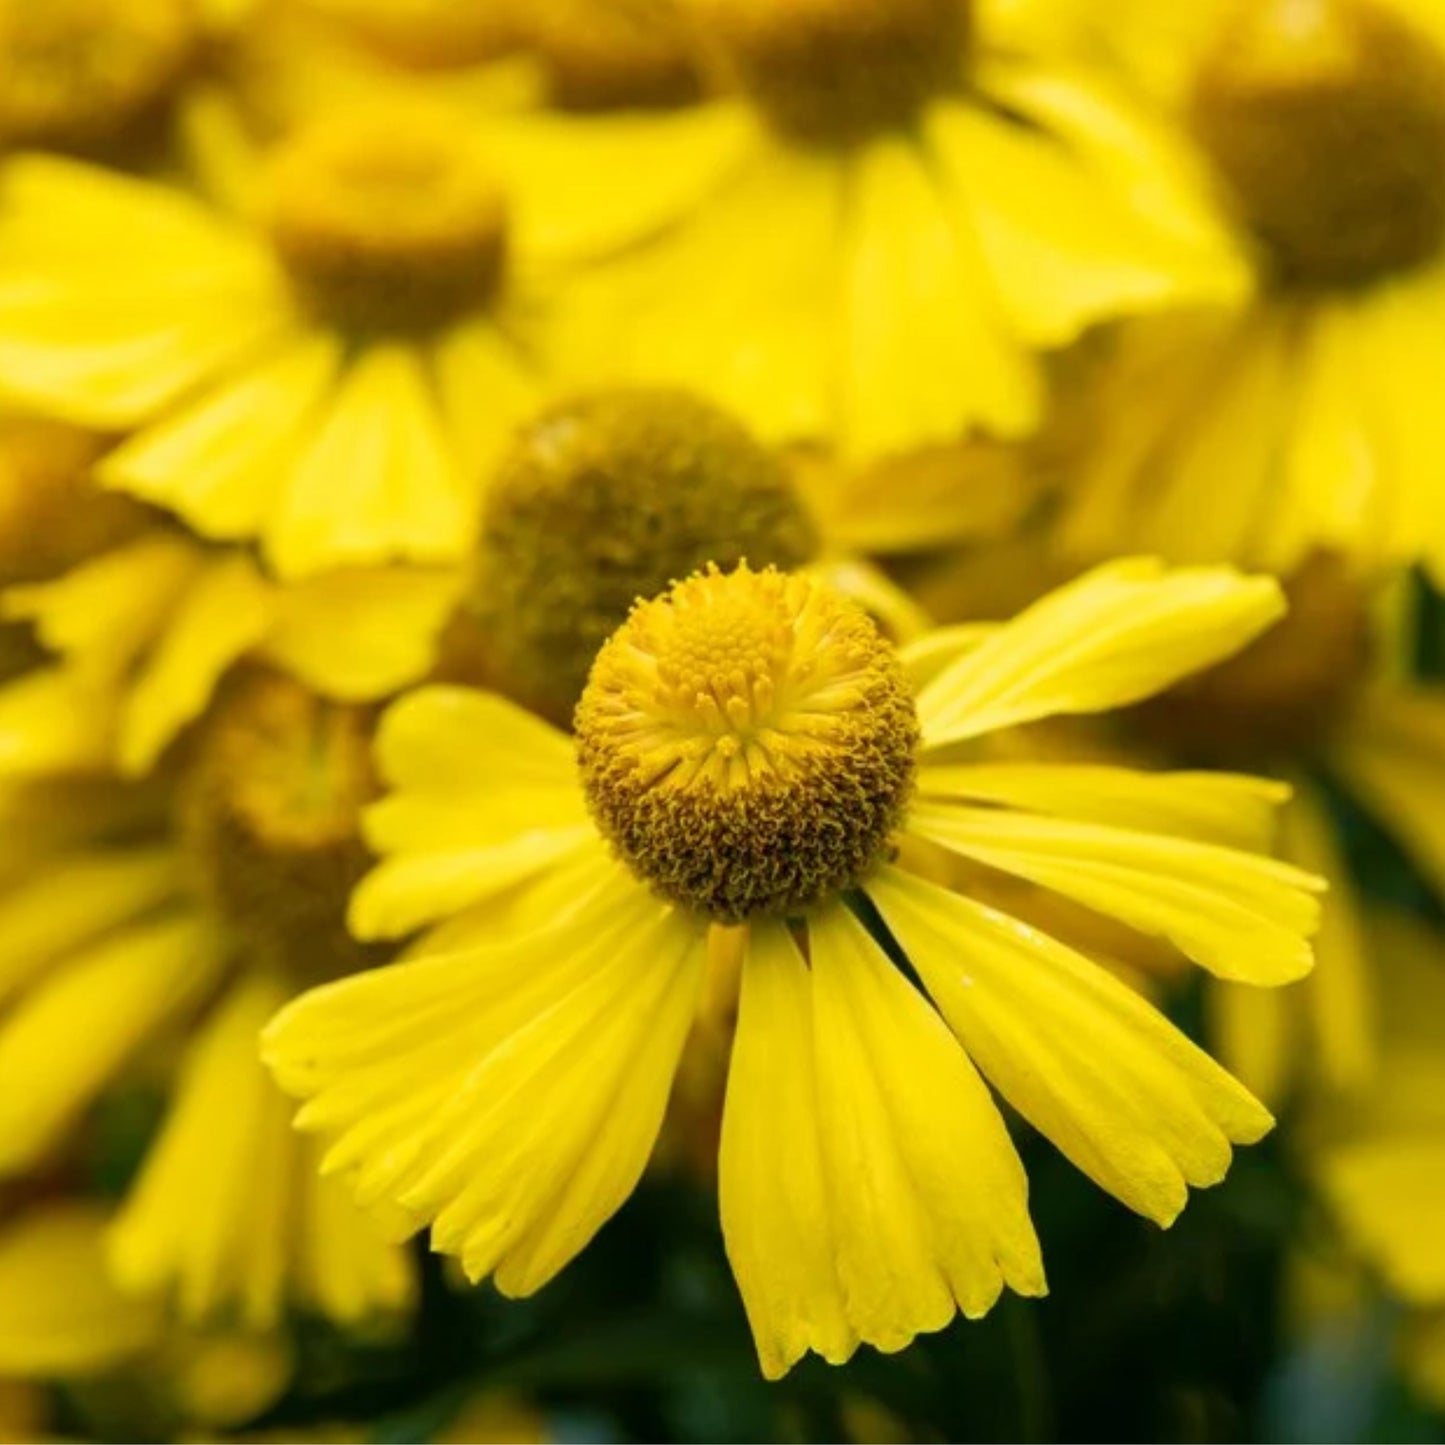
(1238,915)
(1119,634)
(1089,1063)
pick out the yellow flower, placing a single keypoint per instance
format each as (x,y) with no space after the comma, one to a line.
(1306,421)
(330,378)
(113,938)
(750,751)
(143,634)
(869,241)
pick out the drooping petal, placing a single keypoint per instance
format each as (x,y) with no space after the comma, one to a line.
(113,997)
(930,1202)
(775,1196)
(1119,634)
(510,1094)
(1239,915)
(377,481)
(1088,1062)
(60,1314)
(54,721)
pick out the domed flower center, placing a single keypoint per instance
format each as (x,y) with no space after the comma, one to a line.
(1280,697)
(90,76)
(747,743)
(613,497)
(270,812)
(388,222)
(606,54)
(1327,119)
(838,70)
(424,34)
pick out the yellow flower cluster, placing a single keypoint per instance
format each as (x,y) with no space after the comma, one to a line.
(587,584)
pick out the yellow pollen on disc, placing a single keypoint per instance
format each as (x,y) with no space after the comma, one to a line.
(839,70)
(747,743)
(1327,120)
(387,221)
(90,76)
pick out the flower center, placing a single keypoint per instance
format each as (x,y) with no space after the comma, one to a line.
(270,812)
(389,222)
(607,54)
(839,70)
(1327,119)
(90,76)
(424,34)
(1281,695)
(609,498)
(747,743)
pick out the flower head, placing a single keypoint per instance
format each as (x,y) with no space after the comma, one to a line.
(747,747)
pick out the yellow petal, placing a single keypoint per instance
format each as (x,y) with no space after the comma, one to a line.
(759,336)
(588,187)
(1088,252)
(486,796)
(360,635)
(926,350)
(103,613)
(925,657)
(74,900)
(1089,1063)
(510,1094)
(73,1031)
(216,622)
(488,384)
(930,1202)
(1120,633)
(54,721)
(377,481)
(210,1218)
(1389,1194)
(60,1315)
(1236,914)
(776,1200)
(348,1271)
(221,463)
(1258,1036)
(1227,808)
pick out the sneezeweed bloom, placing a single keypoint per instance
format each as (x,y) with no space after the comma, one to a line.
(329,377)
(867,241)
(1307,421)
(118,935)
(749,755)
